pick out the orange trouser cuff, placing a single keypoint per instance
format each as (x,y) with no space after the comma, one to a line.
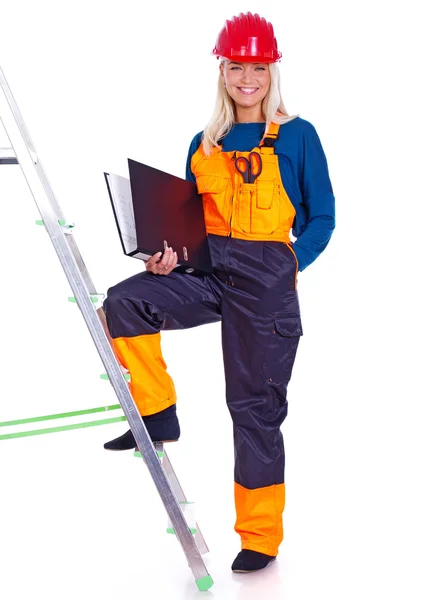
(151,386)
(259,517)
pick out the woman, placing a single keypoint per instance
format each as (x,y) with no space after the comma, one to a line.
(249,214)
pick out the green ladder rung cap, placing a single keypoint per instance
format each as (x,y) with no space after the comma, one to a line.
(94,299)
(205,583)
(160,454)
(193,530)
(61,222)
(105,376)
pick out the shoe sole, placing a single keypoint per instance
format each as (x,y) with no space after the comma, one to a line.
(159,442)
(254,570)
(136,449)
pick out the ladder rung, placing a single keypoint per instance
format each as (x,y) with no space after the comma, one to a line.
(193,530)
(160,454)
(62,222)
(8,156)
(74,413)
(94,298)
(21,434)
(105,376)
(7,153)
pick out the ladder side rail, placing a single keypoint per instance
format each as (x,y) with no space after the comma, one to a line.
(51,214)
(181,497)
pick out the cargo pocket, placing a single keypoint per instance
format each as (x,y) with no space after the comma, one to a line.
(214,199)
(282,346)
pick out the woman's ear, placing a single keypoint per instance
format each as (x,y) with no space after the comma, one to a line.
(221,68)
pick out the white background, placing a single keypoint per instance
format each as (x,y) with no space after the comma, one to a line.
(98,83)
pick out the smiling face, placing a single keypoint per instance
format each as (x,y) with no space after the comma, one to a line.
(247,84)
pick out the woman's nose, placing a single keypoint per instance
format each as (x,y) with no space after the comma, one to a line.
(247,75)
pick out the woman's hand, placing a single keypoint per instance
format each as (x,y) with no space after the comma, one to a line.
(163,266)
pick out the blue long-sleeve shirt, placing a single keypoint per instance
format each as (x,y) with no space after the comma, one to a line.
(305,177)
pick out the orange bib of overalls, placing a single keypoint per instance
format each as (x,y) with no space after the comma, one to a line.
(260,211)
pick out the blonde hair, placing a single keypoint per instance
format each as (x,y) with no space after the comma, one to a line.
(223,117)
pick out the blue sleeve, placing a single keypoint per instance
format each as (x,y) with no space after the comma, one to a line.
(317,196)
(196,142)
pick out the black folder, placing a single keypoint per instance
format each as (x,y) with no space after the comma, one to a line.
(153,207)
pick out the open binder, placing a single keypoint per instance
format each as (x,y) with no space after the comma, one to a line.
(153,206)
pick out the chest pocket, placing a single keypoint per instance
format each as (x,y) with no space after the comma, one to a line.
(258,207)
(214,192)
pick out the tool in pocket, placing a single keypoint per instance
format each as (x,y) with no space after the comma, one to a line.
(250,168)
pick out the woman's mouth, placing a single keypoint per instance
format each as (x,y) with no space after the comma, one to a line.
(247,90)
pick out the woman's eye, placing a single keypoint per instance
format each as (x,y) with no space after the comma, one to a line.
(233,68)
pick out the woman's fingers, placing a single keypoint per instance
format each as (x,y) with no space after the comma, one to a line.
(149,265)
(164,262)
(168,262)
(164,265)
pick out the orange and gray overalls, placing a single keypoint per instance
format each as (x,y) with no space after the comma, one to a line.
(252,291)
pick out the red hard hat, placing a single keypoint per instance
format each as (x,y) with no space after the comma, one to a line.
(247,38)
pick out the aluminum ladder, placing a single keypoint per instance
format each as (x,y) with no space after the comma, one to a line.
(23,153)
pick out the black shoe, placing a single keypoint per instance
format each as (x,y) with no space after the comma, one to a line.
(248,561)
(161,427)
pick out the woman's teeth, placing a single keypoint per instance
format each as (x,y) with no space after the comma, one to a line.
(248,90)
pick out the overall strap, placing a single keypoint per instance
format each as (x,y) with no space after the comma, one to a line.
(267,143)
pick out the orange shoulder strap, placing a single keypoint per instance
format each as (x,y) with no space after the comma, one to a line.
(267,143)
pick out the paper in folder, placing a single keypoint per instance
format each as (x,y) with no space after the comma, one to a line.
(154,206)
